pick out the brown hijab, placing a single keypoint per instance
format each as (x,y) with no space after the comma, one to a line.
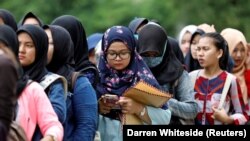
(233,38)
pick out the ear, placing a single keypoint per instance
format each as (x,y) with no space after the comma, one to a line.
(220,54)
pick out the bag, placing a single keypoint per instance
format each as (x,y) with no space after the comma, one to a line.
(16,133)
(51,78)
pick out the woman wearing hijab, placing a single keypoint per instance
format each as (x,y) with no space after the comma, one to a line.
(212,52)
(78,36)
(33,104)
(184,38)
(81,121)
(6,17)
(30,18)
(33,46)
(120,68)
(238,50)
(157,53)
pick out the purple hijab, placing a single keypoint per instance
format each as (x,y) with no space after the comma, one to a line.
(116,82)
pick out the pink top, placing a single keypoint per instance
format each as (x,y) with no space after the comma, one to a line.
(34,108)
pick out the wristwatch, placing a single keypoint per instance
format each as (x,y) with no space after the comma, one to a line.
(142,113)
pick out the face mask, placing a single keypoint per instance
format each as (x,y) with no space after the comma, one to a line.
(152,61)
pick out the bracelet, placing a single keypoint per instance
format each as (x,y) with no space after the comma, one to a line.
(142,113)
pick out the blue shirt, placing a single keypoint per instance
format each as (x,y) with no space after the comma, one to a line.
(81,122)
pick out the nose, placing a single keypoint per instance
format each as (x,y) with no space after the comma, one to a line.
(21,48)
(118,57)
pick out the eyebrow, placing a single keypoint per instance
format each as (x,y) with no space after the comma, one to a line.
(119,50)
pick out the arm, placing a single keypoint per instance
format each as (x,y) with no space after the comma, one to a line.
(85,105)
(150,115)
(239,114)
(183,105)
(57,99)
(46,116)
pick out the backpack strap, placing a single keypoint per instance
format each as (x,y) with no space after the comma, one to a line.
(51,78)
(73,79)
(225,89)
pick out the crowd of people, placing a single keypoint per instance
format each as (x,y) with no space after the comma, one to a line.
(57,84)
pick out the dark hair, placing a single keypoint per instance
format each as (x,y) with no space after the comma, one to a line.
(220,43)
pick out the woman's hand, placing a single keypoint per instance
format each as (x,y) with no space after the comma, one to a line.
(105,106)
(129,106)
(221,115)
(48,138)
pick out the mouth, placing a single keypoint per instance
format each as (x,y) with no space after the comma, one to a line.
(21,57)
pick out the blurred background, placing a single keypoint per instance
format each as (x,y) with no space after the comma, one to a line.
(98,15)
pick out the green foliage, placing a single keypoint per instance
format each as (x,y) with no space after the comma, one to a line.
(98,15)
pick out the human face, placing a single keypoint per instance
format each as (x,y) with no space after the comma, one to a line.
(92,57)
(1,21)
(185,43)
(51,46)
(31,21)
(2,45)
(27,50)
(238,54)
(194,45)
(207,53)
(118,63)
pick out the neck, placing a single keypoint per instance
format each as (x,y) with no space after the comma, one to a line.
(212,71)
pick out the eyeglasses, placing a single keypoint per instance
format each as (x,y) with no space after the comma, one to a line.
(112,55)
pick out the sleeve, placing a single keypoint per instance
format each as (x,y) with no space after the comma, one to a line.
(247,78)
(57,99)
(159,116)
(85,105)
(184,104)
(239,108)
(46,116)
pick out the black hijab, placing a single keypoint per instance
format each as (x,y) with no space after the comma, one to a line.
(191,63)
(8,83)
(137,22)
(153,37)
(61,56)
(176,49)
(78,36)
(37,70)
(9,37)
(8,19)
(30,15)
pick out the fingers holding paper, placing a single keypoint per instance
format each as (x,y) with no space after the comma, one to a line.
(129,106)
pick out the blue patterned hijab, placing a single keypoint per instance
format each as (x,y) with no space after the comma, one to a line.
(116,82)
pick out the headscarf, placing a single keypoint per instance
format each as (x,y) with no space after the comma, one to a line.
(136,22)
(93,39)
(8,83)
(176,49)
(78,36)
(234,37)
(9,37)
(37,70)
(61,56)
(116,82)
(207,28)
(8,19)
(188,28)
(191,63)
(153,37)
(30,15)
